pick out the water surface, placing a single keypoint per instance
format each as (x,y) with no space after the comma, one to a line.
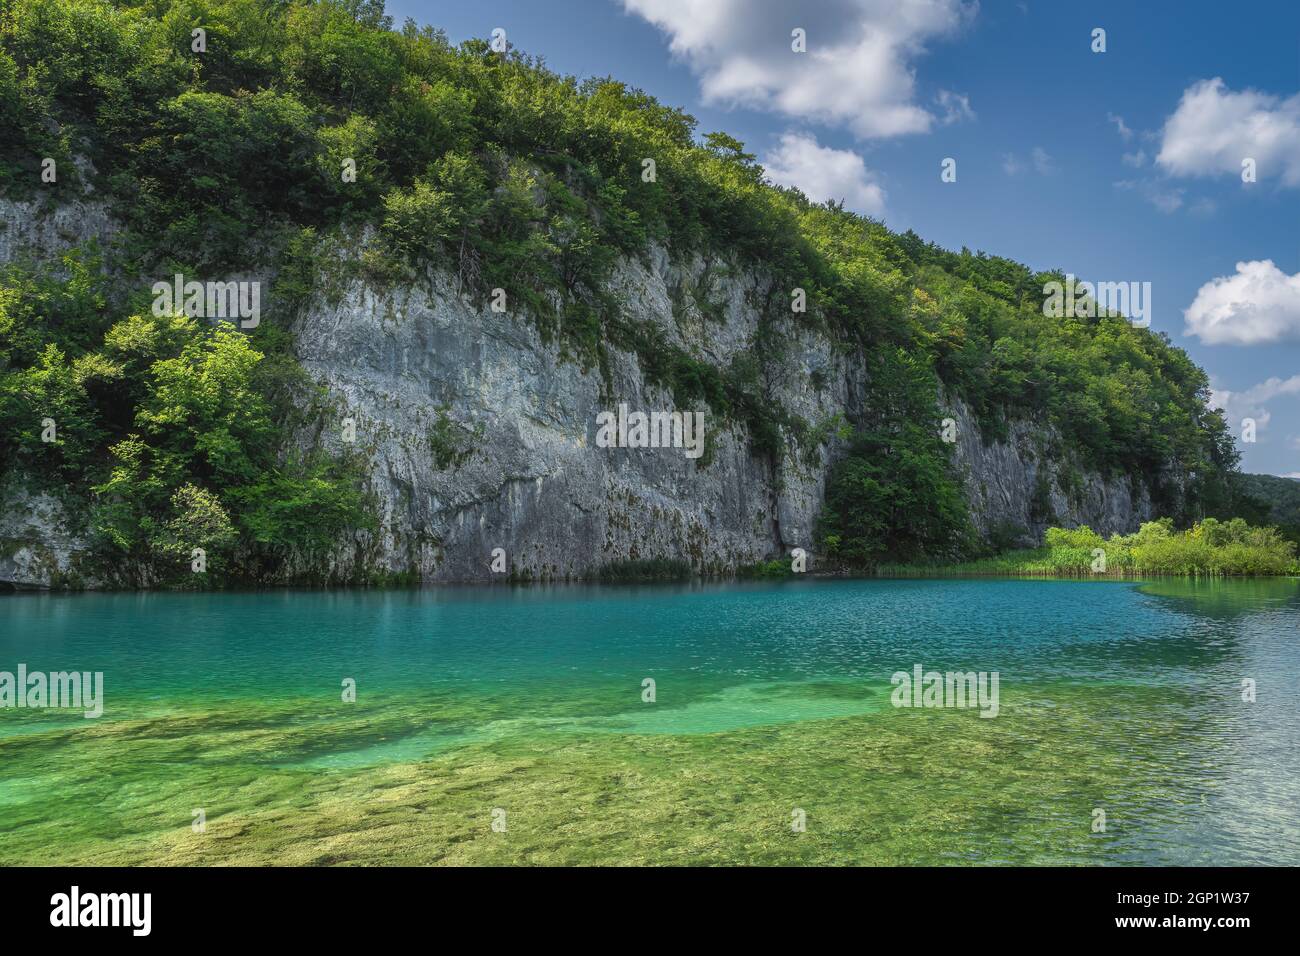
(769,699)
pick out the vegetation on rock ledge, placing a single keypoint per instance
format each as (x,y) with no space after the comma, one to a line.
(506,175)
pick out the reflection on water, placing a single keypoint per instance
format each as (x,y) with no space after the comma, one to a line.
(1226,598)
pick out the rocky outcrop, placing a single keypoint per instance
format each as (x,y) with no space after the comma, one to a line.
(41,230)
(482,435)
(425,366)
(41,545)
(1016,489)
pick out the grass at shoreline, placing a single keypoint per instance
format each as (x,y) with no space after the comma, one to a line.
(1006,566)
(1209,549)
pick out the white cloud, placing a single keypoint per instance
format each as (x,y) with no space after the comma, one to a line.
(1138,157)
(822,173)
(1253,401)
(1013,165)
(857,71)
(1236,407)
(1167,199)
(1257,305)
(956,107)
(1214,129)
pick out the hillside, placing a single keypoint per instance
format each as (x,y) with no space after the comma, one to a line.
(501,268)
(1270,499)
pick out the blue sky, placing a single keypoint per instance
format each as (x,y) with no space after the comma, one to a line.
(1116,166)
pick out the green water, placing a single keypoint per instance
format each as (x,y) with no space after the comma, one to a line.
(770,698)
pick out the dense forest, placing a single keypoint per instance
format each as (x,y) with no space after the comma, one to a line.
(492,167)
(1269,499)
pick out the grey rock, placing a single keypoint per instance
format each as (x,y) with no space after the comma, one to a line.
(40,545)
(481,435)
(533,481)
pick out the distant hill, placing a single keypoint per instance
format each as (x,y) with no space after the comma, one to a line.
(1270,499)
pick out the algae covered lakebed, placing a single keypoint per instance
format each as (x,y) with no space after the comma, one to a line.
(512,725)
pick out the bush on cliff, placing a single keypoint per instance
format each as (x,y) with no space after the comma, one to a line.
(510,176)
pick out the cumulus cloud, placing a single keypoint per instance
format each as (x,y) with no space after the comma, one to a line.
(822,173)
(1124,132)
(1253,401)
(1257,305)
(1214,129)
(857,71)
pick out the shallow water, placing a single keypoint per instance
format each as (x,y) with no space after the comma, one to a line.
(769,699)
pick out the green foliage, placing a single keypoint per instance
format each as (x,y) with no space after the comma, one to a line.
(452,443)
(892,496)
(763,570)
(301,507)
(199,522)
(512,177)
(524,180)
(171,428)
(1209,548)
(1123,398)
(1040,503)
(1266,499)
(644,571)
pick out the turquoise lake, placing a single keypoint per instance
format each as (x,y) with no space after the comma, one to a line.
(770,700)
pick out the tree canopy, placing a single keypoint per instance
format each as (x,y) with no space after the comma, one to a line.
(499,170)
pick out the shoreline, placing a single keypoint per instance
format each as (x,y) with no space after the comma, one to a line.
(898,574)
(1081,576)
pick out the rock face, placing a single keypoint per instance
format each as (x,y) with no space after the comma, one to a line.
(43,231)
(40,545)
(481,435)
(1015,491)
(525,473)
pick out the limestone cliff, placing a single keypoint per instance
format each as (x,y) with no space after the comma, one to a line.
(480,434)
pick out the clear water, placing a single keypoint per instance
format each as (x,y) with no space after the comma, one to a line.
(770,699)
